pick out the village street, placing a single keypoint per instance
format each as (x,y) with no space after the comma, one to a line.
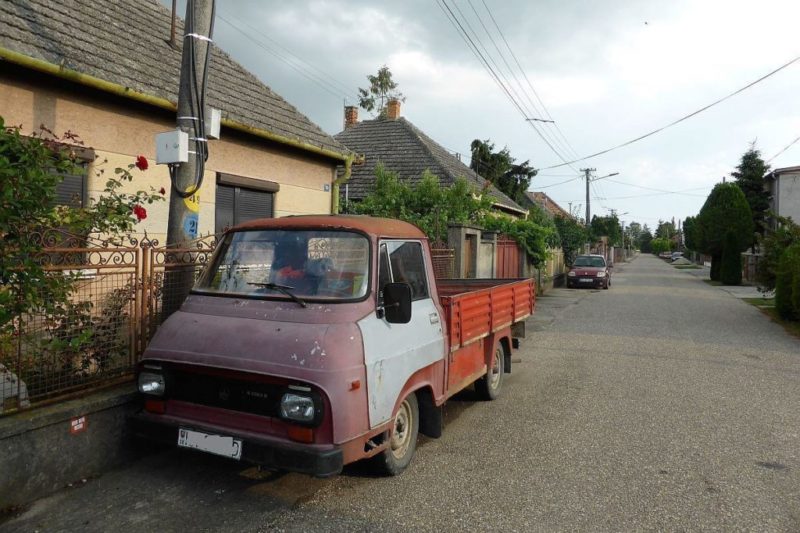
(663,403)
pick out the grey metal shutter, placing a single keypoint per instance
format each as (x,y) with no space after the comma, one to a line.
(70,190)
(251,205)
(223,211)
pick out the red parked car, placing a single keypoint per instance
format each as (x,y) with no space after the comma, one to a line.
(589,271)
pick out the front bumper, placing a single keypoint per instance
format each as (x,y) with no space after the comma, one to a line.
(595,283)
(313,460)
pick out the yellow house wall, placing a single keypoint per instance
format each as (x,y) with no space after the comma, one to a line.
(119,131)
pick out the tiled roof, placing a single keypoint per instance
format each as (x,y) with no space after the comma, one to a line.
(125,42)
(404,149)
(545,202)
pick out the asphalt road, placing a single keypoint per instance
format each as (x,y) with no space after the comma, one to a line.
(661,404)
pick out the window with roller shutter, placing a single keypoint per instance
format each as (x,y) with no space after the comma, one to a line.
(242,199)
(71,191)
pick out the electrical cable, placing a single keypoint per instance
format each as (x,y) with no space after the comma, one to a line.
(784,149)
(678,121)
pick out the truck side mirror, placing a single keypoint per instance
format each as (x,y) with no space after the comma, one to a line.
(397,303)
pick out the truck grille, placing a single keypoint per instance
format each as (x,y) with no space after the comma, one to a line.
(226,393)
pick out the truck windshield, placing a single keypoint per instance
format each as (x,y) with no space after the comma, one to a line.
(327,265)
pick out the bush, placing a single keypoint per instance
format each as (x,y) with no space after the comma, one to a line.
(731,267)
(786,280)
(773,244)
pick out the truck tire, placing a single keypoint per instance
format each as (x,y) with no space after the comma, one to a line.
(489,386)
(402,440)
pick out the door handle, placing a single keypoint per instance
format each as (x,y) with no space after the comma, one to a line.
(434,317)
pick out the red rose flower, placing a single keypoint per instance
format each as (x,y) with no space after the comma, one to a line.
(162,191)
(141,163)
(139,212)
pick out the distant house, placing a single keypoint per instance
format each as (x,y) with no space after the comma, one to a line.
(546,203)
(402,148)
(783,185)
(109,72)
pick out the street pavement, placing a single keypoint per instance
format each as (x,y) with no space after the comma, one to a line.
(663,403)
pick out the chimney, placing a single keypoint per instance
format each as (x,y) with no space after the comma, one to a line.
(393,109)
(350,116)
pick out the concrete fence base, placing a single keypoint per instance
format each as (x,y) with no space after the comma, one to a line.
(45,449)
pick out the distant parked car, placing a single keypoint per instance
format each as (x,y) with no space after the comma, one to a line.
(665,255)
(676,255)
(589,271)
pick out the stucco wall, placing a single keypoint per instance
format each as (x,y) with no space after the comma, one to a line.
(789,196)
(119,130)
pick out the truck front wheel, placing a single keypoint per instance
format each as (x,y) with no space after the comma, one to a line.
(488,387)
(402,440)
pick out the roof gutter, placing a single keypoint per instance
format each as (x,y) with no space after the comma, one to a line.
(348,170)
(156,101)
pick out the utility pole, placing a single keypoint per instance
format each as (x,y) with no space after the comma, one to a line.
(184,210)
(587,171)
(186,178)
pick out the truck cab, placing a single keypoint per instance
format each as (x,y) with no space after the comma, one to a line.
(312,342)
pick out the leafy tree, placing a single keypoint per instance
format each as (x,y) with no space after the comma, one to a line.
(544,219)
(787,280)
(607,226)
(426,204)
(666,230)
(573,237)
(532,237)
(633,231)
(724,210)
(382,88)
(645,240)
(774,242)
(749,177)
(659,245)
(501,169)
(731,271)
(688,233)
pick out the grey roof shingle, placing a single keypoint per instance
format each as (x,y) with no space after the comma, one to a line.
(404,149)
(125,42)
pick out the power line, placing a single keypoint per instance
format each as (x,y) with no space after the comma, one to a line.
(659,190)
(784,149)
(302,67)
(456,23)
(678,121)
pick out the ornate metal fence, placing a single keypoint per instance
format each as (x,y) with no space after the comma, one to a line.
(91,334)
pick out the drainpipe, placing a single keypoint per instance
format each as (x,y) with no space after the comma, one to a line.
(348,170)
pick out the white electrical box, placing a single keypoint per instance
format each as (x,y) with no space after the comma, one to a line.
(172,147)
(213,120)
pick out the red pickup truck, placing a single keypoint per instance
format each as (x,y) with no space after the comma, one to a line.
(312,342)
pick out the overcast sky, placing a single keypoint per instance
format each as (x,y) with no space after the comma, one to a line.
(606,71)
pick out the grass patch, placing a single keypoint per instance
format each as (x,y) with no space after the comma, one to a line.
(767,306)
(687,267)
(714,283)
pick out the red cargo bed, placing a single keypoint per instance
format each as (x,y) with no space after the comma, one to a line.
(475,308)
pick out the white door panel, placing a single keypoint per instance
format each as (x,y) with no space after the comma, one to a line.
(394,352)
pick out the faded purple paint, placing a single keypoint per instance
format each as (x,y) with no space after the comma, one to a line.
(320,345)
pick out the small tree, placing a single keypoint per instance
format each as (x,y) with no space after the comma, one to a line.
(731,271)
(688,233)
(749,177)
(724,210)
(607,226)
(786,280)
(774,242)
(573,236)
(382,88)
(501,169)
(659,245)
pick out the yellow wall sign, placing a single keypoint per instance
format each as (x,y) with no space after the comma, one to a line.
(193,203)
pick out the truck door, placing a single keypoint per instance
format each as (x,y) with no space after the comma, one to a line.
(394,352)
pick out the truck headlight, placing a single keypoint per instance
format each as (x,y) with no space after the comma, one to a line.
(601,274)
(298,408)
(571,273)
(152,383)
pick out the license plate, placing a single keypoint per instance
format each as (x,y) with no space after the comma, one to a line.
(586,280)
(216,444)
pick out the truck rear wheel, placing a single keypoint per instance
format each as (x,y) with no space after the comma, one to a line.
(489,386)
(402,440)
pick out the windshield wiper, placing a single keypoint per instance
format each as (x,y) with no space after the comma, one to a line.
(284,289)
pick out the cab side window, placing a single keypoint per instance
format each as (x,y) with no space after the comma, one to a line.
(402,262)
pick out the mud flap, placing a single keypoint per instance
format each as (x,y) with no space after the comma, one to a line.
(430,416)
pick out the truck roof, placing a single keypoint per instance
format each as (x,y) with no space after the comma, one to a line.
(379,227)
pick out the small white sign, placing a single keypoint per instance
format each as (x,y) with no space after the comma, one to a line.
(216,444)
